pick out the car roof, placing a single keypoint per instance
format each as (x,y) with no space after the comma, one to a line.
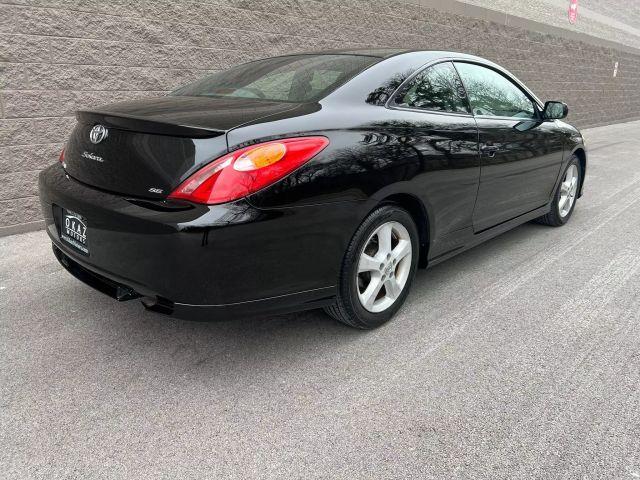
(391,52)
(426,56)
(369,52)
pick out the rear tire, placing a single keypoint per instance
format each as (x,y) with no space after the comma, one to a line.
(565,196)
(377,269)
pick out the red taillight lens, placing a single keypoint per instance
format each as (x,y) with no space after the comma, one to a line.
(61,159)
(248,170)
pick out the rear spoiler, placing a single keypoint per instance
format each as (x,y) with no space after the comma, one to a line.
(144,125)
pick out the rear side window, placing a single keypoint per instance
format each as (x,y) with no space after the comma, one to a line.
(436,88)
(295,78)
(492,94)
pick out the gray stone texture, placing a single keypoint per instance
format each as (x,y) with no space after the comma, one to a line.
(62,55)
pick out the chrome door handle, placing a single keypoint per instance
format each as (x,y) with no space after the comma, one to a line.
(489,150)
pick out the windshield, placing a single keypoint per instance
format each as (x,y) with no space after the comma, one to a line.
(296,78)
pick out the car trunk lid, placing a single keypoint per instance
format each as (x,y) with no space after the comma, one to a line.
(145,148)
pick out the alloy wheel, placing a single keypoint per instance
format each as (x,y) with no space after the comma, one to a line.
(568,190)
(384,266)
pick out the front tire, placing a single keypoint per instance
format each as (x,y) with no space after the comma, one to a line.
(565,196)
(378,269)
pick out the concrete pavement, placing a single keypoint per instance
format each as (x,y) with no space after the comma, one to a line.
(517,359)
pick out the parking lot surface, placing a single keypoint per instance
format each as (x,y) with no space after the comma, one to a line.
(517,359)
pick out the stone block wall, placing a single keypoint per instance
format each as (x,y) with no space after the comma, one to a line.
(61,55)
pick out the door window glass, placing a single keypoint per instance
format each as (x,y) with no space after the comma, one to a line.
(435,88)
(492,94)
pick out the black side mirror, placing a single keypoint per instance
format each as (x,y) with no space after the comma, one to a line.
(555,110)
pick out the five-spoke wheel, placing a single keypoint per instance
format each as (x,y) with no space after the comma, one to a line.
(377,269)
(384,266)
(565,196)
(568,190)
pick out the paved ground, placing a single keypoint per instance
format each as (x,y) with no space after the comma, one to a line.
(614,20)
(517,359)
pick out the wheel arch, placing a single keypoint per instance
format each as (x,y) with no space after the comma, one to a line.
(582,157)
(418,212)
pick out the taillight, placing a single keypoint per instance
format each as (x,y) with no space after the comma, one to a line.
(61,159)
(248,170)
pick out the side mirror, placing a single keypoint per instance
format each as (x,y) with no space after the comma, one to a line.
(555,110)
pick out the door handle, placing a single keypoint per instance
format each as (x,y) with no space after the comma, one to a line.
(489,150)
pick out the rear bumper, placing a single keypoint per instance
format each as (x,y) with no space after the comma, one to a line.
(201,261)
(110,285)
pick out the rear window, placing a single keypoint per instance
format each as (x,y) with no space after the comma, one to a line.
(296,78)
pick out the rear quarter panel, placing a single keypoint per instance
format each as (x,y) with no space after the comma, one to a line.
(375,152)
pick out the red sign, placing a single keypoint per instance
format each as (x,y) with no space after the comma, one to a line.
(573,11)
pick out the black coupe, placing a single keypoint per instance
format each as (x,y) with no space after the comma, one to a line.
(306,181)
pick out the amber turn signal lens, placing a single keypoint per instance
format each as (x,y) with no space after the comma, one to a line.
(260,157)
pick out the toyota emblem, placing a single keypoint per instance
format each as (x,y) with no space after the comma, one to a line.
(98,133)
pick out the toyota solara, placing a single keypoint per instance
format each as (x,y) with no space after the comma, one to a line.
(320,180)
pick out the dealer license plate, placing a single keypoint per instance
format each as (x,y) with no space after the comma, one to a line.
(73,231)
